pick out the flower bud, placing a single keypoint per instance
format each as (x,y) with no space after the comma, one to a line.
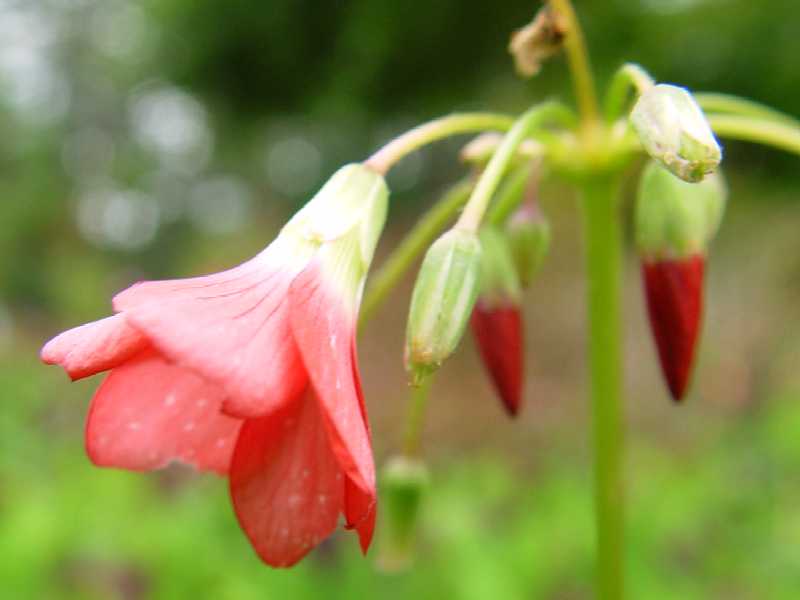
(497,319)
(675,221)
(442,301)
(675,218)
(674,131)
(404,482)
(528,233)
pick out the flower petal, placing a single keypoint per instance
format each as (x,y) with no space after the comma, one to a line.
(498,332)
(94,347)
(231,328)
(148,413)
(286,485)
(323,325)
(674,294)
(360,506)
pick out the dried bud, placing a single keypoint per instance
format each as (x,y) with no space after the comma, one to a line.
(403,481)
(675,221)
(674,131)
(497,319)
(444,294)
(537,41)
(528,234)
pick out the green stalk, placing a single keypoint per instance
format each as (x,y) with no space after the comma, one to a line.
(416,417)
(432,131)
(734,105)
(578,59)
(629,77)
(603,234)
(478,202)
(781,135)
(427,229)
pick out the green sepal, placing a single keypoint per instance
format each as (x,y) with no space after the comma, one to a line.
(675,219)
(444,294)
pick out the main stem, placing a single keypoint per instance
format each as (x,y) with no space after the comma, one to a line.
(603,235)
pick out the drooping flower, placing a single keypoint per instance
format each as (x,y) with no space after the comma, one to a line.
(497,319)
(675,221)
(252,373)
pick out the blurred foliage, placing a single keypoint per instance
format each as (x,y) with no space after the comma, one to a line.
(168,137)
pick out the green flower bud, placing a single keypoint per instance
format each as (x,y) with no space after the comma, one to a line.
(444,294)
(675,219)
(403,485)
(499,280)
(674,131)
(528,233)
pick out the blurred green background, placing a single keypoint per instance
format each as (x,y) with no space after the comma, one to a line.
(173,137)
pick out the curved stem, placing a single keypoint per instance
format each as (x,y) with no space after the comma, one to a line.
(734,105)
(429,226)
(578,59)
(603,234)
(511,194)
(628,77)
(432,131)
(783,136)
(487,184)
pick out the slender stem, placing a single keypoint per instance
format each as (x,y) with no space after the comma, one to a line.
(783,136)
(487,184)
(578,60)
(430,225)
(433,131)
(742,107)
(603,233)
(510,195)
(629,77)
(415,417)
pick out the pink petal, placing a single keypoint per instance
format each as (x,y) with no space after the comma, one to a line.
(94,347)
(285,483)
(231,328)
(148,413)
(360,507)
(323,328)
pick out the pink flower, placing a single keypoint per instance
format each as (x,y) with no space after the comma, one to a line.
(252,373)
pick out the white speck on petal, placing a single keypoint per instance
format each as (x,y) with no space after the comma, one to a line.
(294,500)
(134,426)
(189,426)
(170,399)
(221,442)
(202,403)
(322,499)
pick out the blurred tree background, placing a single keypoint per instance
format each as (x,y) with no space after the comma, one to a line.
(172,137)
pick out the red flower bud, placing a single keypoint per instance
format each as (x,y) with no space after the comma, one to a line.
(498,332)
(497,319)
(674,293)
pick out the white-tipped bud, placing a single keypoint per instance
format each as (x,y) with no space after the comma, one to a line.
(674,131)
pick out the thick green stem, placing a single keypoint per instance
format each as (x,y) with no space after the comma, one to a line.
(432,131)
(427,229)
(603,234)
